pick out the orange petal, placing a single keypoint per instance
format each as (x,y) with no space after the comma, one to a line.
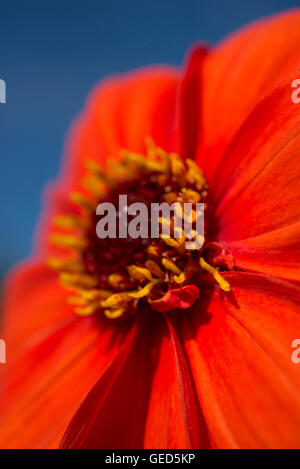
(190,104)
(174,417)
(181,298)
(275,253)
(258,195)
(113,414)
(237,74)
(239,349)
(145,398)
(53,359)
(120,113)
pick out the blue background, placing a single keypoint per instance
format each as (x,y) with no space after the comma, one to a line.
(52,53)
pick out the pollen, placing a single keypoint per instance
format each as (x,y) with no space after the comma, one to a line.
(224,285)
(119,277)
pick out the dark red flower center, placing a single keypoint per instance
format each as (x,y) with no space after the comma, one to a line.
(118,275)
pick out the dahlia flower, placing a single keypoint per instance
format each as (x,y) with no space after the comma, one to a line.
(130,343)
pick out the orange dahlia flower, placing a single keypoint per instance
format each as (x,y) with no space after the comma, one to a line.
(120,343)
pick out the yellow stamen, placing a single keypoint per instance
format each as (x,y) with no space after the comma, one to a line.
(177,165)
(180,235)
(180,278)
(82,201)
(120,171)
(170,242)
(196,240)
(77,300)
(224,285)
(81,280)
(115,280)
(93,185)
(165,221)
(153,250)
(154,268)
(96,170)
(162,180)
(144,291)
(116,300)
(93,166)
(86,310)
(139,273)
(190,217)
(166,225)
(190,195)
(153,151)
(171,197)
(144,163)
(114,313)
(151,147)
(171,266)
(135,158)
(95,294)
(70,222)
(159,166)
(194,173)
(68,241)
(65,264)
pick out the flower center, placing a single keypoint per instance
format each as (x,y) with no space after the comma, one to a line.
(119,275)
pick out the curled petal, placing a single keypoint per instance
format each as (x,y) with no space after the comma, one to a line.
(180,298)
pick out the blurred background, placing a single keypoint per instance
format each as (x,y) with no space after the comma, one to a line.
(53,52)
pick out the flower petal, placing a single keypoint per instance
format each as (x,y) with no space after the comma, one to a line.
(239,348)
(144,399)
(113,414)
(275,253)
(174,418)
(181,298)
(190,104)
(258,196)
(53,359)
(120,113)
(236,76)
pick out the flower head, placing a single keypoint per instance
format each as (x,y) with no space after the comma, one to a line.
(123,343)
(115,274)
